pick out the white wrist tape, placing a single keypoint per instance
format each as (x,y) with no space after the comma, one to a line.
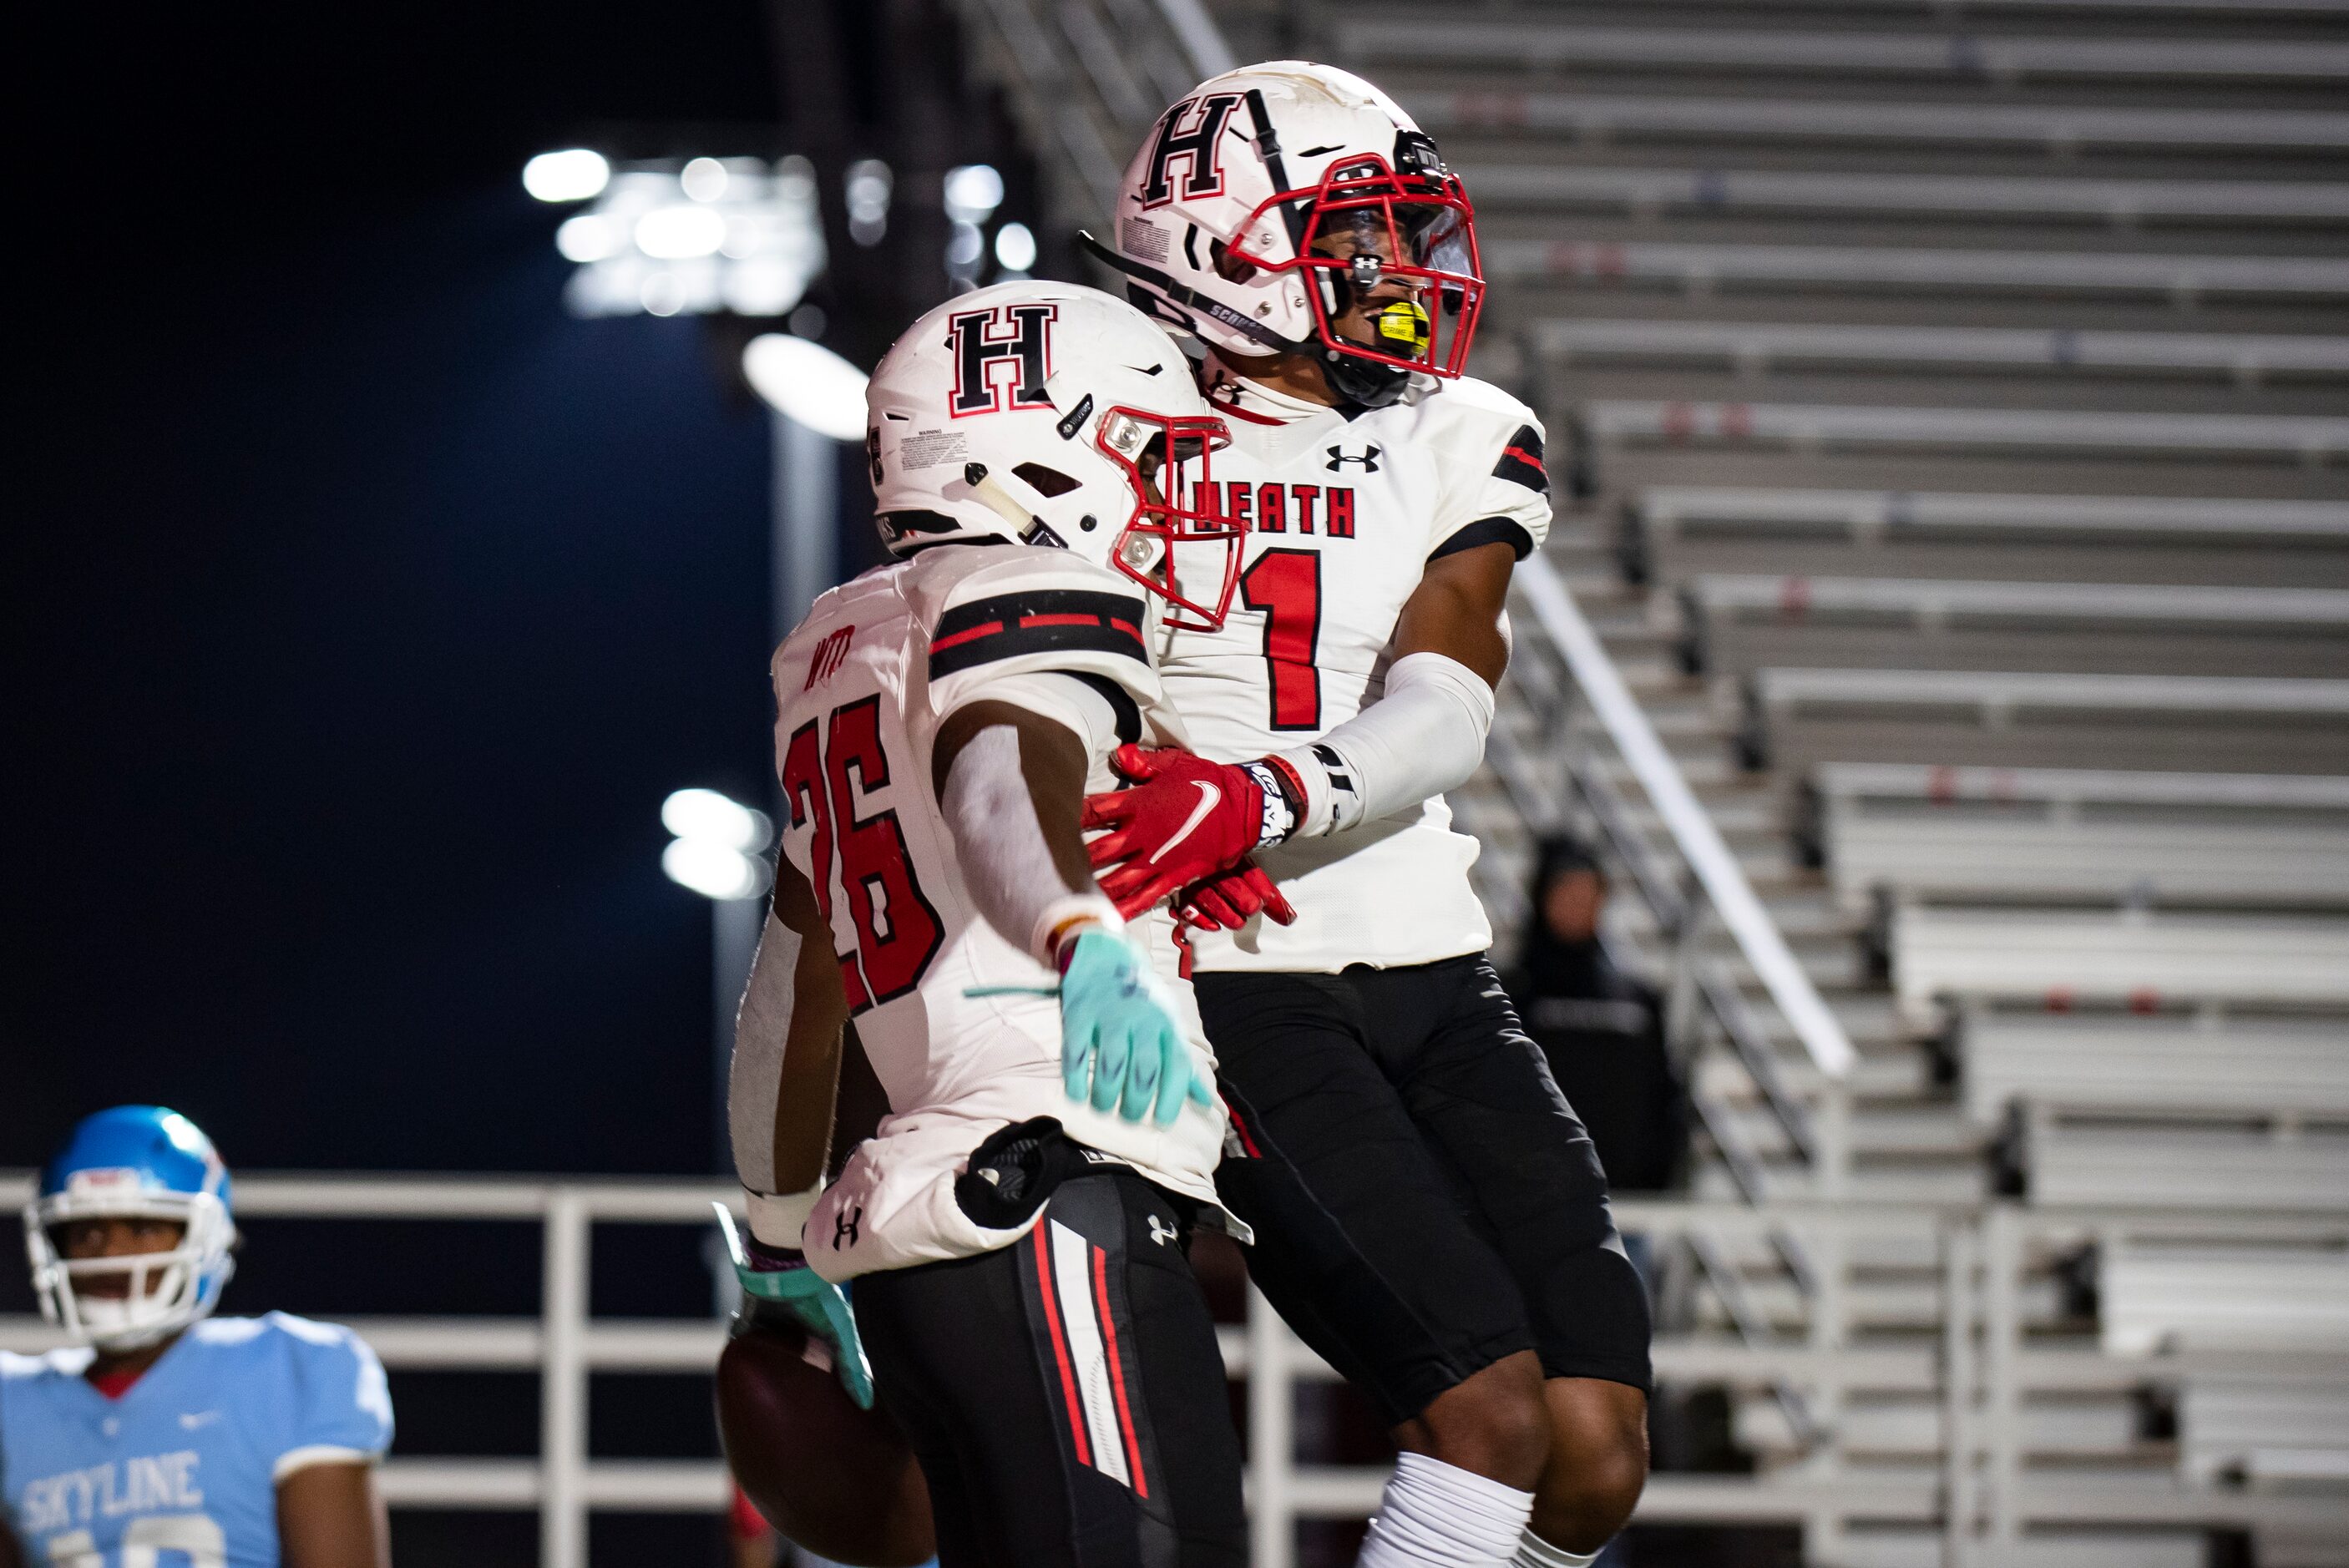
(1006,864)
(778,1218)
(1425,736)
(1065,916)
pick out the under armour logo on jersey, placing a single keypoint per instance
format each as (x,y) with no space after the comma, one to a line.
(1339,457)
(845,1227)
(1009,344)
(1196,146)
(1161,1232)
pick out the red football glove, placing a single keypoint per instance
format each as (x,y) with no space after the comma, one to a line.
(1225,901)
(1185,820)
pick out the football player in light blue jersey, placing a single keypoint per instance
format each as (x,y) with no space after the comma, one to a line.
(164,1438)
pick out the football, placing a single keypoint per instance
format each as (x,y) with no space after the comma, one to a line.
(836,1479)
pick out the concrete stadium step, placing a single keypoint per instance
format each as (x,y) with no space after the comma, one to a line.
(1892,1546)
(2055,130)
(2122,203)
(2105,1426)
(1918,1132)
(1903,1182)
(1548,45)
(1754,348)
(1888,1077)
(1807,426)
(2174,282)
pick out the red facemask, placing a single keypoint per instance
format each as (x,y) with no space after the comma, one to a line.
(1366,229)
(1198,583)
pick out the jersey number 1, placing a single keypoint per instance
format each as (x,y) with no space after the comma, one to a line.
(1286,585)
(897,931)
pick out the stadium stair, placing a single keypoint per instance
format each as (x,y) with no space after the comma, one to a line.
(1944,404)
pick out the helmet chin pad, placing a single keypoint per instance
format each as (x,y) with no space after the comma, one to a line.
(1366,383)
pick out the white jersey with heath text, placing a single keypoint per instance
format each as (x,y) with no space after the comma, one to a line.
(1344,515)
(861,689)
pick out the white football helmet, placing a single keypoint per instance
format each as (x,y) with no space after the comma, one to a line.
(1056,415)
(1263,201)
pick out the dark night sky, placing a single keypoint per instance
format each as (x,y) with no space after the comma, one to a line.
(368,604)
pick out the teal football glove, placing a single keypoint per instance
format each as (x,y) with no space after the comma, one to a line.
(774,1278)
(1120,1045)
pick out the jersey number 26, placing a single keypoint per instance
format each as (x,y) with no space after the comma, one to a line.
(897,931)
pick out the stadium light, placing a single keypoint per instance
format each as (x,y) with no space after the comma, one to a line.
(574,175)
(807,383)
(973,191)
(1015,248)
(716,850)
(712,235)
(675,233)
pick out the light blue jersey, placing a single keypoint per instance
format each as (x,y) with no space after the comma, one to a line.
(181,1471)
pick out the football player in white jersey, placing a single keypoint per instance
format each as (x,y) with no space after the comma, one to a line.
(1431,1215)
(1016,1228)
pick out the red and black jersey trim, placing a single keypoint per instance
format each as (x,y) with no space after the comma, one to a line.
(1521,462)
(1041,621)
(1487,530)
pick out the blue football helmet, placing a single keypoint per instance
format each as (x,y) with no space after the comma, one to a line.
(140,1161)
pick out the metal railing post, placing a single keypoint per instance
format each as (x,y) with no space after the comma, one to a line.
(1960,1252)
(2002,1353)
(563,1386)
(1272,1439)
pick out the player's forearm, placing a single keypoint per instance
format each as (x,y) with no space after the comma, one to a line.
(331,1516)
(1011,793)
(786,1069)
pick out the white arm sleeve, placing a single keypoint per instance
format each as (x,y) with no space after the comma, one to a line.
(1425,736)
(1006,864)
(762,1028)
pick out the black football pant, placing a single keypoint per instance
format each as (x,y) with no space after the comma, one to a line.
(1065,1394)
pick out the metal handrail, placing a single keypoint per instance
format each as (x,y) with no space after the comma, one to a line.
(1693,834)
(1086,78)
(566,1343)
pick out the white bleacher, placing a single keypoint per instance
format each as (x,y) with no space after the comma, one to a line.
(1451,39)
(1984,834)
(1868,516)
(1731,621)
(2058,128)
(1755,347)
(1947,10)
(2306,438)
(2264,1429)
(1991,197)
(2078,1161)
(1998,699)
(1928,604)
(2223,1064)
(2221,1297)
(2123,940)
(1797,717)
(2182,280)
(2102,958)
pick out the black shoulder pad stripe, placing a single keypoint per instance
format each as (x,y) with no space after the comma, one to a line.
(1011,624)
(1521,462)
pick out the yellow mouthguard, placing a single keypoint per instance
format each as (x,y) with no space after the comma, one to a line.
(1404,325)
